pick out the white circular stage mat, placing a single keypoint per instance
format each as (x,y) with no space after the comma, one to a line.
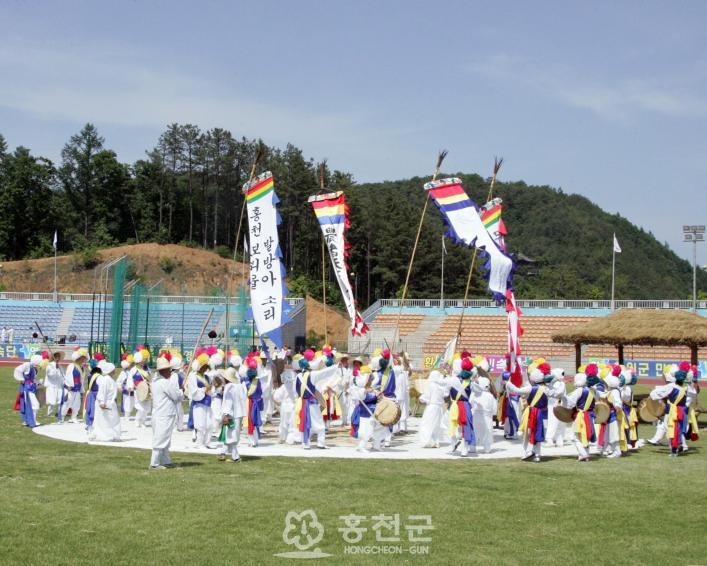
(339,443)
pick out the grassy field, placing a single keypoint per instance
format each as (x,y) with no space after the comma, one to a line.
(65,503)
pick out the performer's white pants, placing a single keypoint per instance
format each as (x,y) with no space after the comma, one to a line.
(317,425)
(128,405)
(287,417)
(203,423)
(370,429)
(143,410)
(230,445)
(483,429)
(73,402)
(529,448)
(582,452)
(180,417)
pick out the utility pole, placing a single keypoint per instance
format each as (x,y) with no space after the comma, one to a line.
(694,234)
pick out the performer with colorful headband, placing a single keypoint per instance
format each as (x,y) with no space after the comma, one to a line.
(139,373)
(254,391)
(612,432)
(201,393)
(308,415)
(628,379)
(532,423)
(384,380)
(127,398)
(89,401)
(556,429)
(676,396)
(27,403)
(582,399)
(461,424)
(693,391)
(73,381)
(508,408)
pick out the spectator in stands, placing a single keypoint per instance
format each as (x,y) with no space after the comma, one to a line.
(3,335)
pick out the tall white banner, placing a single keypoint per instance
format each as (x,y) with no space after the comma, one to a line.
(331,212)
(267,273)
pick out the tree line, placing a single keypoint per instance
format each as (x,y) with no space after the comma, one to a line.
(187,190)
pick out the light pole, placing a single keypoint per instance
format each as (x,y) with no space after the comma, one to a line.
(694,234)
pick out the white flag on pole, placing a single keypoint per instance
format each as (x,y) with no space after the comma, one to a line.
(444,247)
(617,247)
(56,239)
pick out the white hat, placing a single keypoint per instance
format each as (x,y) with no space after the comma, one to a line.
(125,364)
(215,360)
(669,377)
(162,363)
(243,371)
(483,364)
(536,376)
(557,374)
(235,360)
(175,362)
(78,353)
(137,357)
(612,381)
(484,383)
(580,379)
(35,360)
(106,367)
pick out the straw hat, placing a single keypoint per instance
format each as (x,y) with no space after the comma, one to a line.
(163,363)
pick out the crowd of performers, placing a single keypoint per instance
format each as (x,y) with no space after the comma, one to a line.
(229,396)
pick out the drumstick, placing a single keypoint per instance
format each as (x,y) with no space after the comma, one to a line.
(201,334)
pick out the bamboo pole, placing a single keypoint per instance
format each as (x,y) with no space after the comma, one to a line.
(322,167)
(496,167)
(440,158)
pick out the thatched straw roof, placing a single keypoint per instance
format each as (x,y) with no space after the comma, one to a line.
(640,326)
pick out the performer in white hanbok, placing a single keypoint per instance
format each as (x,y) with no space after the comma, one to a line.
(352,403)
(508,408)
(54,385)
(127,394)
(628,380)
(582,400)
(308,414)
(662,424)
(233,408)
(345,378)
(532,423)
(401,367)
(27,376)
(265,376)
(285,396)
(612,433)
(432,424)
(678,405)
(165,397)
(139,373)
(177,378)
(106,422)
(74,382)
(201,393)
(364,426)
(556,429)
(483,408)
(215,375)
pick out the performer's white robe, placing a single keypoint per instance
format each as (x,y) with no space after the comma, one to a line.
(369,429)
(165,397)
(286,397)
(347,407)
(203,415)
(54,386)
(570,401)
(127,400)
(174,378)
(556,429)
(106,423)
(433,424)
(235,405)
(20,377)
(402,394)
(73,398)
(215,402)
(612,432)
(143,407)
(483,409)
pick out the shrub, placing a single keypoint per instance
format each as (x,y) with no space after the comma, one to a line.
(88,258)
(167,264)
(224,251)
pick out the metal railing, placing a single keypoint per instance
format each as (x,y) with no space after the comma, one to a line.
(88,297)
(534,304)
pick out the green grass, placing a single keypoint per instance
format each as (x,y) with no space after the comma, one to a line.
(65,503)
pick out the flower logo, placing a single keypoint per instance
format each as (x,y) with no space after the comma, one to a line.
(303,531)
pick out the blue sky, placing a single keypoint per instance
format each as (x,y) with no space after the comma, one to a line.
(605,99)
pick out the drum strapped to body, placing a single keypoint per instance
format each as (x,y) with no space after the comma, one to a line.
(142,391)
(564,414)
(602,411)
(387,412)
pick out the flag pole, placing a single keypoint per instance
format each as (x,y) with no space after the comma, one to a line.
(441,290)
(496,167)
(56,295)
(440,157)
(324,264)
(613,270)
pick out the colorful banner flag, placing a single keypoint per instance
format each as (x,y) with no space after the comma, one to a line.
(461,215)
(267,273)
(332,213)
(491,218)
